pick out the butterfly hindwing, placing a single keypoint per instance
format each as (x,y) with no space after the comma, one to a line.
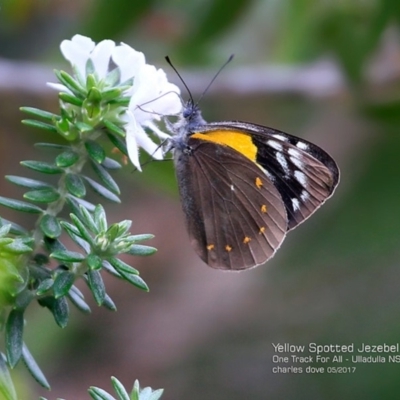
(235,216)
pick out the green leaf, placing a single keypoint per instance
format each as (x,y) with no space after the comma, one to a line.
(96,285)
(4,230)
(135,390)
(18,245)
(101,190)
(70,228)
(71,99)
(20,205)
(68,81)
(51,146)
(53,244)
(39,113)
(99,394)
(42,195)
(120,265)
(119,389)
(109,95)
(44,167)
(34,368)
(109,304)
(94,261)
(89,71)
(109,163)
(143,236)
(78,301)
(113,232)
(83,127)
(118,143)
(44,286)
(67,256)
(60,311)
(50,226)
(74,205)
(66,159)
(141,250)
(124,227)
(7,388)
(75,185)
(123,101)
(38,124)
(9,271)
(145,394)
(89,206)
(95,151)
(112,79)
(88,220)
(23,299)
(58,307)
(62,283)
(135,280)
(100,218)
(27,182)
(114,129)
(84,233)
(76,236)
(14,332)
(109,268)
(155,395)
(15,228)
(106,178)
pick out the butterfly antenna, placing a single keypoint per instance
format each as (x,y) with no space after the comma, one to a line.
(215,77)
(181,79)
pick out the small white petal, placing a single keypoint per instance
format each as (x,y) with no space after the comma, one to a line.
(128,60)
(148,145)
(101,56)
(77,51)
(153,96)
(131,143)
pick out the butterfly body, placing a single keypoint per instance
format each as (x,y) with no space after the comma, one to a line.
(243,186)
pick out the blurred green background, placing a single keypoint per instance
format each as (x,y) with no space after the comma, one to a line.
(328,71)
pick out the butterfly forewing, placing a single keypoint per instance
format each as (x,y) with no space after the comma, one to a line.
(235,216)
(304,174)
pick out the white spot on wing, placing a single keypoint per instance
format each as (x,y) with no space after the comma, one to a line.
(232,188)
(299,164)
(304,195)
(275,145)
(302,145)
(301,178)
(282,161)
(280,137)
(296,204)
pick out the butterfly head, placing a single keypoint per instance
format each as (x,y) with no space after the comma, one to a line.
(191,116)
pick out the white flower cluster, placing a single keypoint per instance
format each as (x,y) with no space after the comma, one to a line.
(151,95)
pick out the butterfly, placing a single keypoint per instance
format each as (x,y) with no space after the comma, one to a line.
(243,186)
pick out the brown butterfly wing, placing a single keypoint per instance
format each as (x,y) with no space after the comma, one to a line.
(235,216)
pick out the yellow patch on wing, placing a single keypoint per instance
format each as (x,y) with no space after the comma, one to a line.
(241,142)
